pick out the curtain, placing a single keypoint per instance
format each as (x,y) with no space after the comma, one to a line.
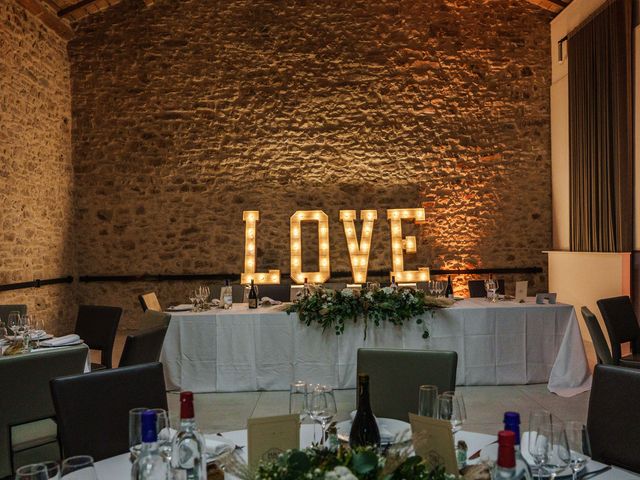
(600,128)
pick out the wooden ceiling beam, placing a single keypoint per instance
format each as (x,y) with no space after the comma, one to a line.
(47,17)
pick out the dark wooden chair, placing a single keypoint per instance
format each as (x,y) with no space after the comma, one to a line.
(143,347)
(97,326)
(597,337)
(613,420)
(478,290)
(92,409)
(282,293)
(622,327)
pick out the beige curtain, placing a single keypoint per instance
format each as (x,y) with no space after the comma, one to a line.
(600,126)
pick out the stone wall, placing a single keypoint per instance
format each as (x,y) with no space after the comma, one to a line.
(36,174)
(189,112)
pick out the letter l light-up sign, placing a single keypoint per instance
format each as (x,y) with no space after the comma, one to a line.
(251,218)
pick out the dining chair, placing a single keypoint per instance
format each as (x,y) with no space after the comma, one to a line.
(97,326)
(478,290)
(151,319)
(27,430)
(282,293)
(92,409)
(622,327)
(215,291)
(613,419)
(396,375)
(143,347)
(149,301)
(5,310)
(597,337)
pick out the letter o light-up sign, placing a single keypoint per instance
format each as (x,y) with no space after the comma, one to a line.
(323,246)
(358,252)
(251,217)
(407,244)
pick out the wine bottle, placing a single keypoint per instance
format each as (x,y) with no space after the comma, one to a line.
(188,457)
(512,423)
(150,465)
(449,290)
(393,285)
(226,295)
(506,464)
(364,430)
(305,287)
(253,296)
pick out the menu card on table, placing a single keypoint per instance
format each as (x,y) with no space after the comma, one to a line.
(433,441)
(270,436)
(521,291)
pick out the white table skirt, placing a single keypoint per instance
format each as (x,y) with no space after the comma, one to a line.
(266,349)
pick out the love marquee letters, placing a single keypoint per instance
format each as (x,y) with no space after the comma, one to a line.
(358,250)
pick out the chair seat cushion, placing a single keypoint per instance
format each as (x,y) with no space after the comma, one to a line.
(630,361)
(33,434)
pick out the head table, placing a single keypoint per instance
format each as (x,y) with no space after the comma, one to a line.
(502,343)
(120,466)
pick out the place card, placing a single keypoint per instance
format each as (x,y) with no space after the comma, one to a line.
(433,441)
(268,437)
(521,291)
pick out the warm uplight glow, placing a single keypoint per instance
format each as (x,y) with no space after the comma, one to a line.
(407,244)
(251,217)
(358,251)
(296,246)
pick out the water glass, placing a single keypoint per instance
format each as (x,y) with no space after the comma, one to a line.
(36,471)
(79,468)
(451,407)
(323,407)
(135,431)
(163,427)
(539,421)
(428,401)
(580,447)
(298,401)
(553,441)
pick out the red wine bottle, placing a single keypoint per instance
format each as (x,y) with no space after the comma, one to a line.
(364,430)
(253,296)
(449,291)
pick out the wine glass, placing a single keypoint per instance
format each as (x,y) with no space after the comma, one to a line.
(27,329)
(14,323)
(428,401)
(298,401)
(580,448)
(323,407)
(79,468)
(451,407)
(135,431)
(35,471)
(163,427)
(552,439)
(39,330)
(538,420)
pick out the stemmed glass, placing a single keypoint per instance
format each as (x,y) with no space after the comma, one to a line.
(36,471)
(428,401)
(14,323)
(79,468)
(552,440)
(451,407)
(323,407)
(539,420)
(27,328)
(580,448)
(135,431)
(163,428)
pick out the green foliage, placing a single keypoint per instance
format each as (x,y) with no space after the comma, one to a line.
(334,309)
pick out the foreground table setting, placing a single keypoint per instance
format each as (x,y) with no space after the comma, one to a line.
(498,343)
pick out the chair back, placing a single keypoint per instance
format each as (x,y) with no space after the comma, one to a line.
(152,319)
(92,409)
(396,375)
(281,293)
(239,293)
(478,290)
(621,322)
(5,310)
(97,326)
(215,291)
(597,337)
(25,393)
(613,420)
(143,347)
(149,301)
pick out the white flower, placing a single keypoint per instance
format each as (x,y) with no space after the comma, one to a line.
(369,296)
(340,473)
(387,290)
(347,292)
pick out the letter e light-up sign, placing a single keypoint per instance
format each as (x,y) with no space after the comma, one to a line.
(407,244)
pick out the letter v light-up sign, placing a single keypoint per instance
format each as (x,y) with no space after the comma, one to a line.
(407,244)
(273,276)
(358,252)
(324,272)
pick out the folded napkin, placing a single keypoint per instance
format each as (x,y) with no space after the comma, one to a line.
(60,341)
(266,301)
(183,307)
(217,446)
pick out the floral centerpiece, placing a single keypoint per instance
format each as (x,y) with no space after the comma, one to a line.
(342,463)
(333,309)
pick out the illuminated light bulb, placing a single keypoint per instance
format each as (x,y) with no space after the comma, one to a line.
(397,261)
(250,262)
(250,232)
(261,277)
(363,262)
(323,230)
(349,231)
(324,262)
(251,217)
(295,246)
(405,213)
(274,278)
(369,216)
(250,247)
(295,262)
(324,246)
(395,214)
(295,232)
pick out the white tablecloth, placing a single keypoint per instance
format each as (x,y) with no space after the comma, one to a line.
(266,349)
